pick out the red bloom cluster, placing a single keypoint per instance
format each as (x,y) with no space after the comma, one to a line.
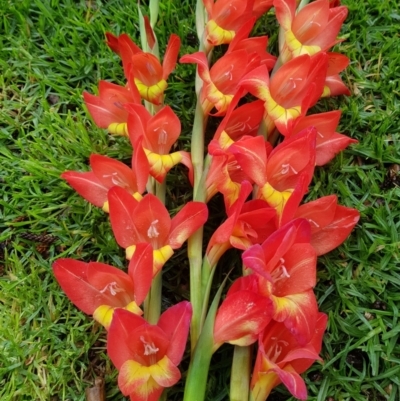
(273,304)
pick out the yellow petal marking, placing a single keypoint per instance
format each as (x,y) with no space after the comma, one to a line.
(151,93)
(118,129)
(104,313)
(297,48)
(217,35)
(160,257)
(161,164)
(274,198)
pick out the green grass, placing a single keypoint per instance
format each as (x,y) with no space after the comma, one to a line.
(50,51)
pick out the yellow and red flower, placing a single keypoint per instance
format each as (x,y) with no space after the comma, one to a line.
(107,173)
(107,109)
(282,176)
(155,135)
(329,142)
(225,17)
(99,289)
(221,82)
(334,85)
(147,355)
(312,30)
(148,221)
(284,267)
(330,223)
(281,359)
(145,69)
(295,87)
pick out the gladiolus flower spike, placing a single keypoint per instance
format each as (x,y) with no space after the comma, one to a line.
(261,158)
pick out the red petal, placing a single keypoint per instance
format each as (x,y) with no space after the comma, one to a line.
(118,339)
(251,155)
(257,82)
(188,220)
(289,84)
(162,131)
(300,263)
(147,68)
(284,165)
(325,124)
(175,322)
(84,284)
(88,186)
(228,70)
(140,271)
(328,149)
(293,381)
(285,12)
(151,39)
(171,55)
(122,210)
(299,313)
(112,42)
(337,62)
(241,317)
(140,165)
(113,173)
(332,235)
(152,221)
(127,50)
(107,108)
(318,213)
(201,60)
(138,120)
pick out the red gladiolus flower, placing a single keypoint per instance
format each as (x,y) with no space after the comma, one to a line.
(107,109)
(248,223)
(295,87)
(334,85)
(282,177)
(147,355)
(243,121)
(243,314)
(313,29)
(149,76)
(156,135)
(99,289)
(148,221)
(107,173)
(220,83)
(225,176)
(330,223)
(285,265)
(225,18)
(329,142)
(281,359)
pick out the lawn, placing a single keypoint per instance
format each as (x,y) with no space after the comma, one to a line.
(50,52)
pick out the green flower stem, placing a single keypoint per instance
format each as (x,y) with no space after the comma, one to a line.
(206,281)
(197,289)
(197,150)
(160,190)
(240,373)
(152,303)
(196,382)
(195,242)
